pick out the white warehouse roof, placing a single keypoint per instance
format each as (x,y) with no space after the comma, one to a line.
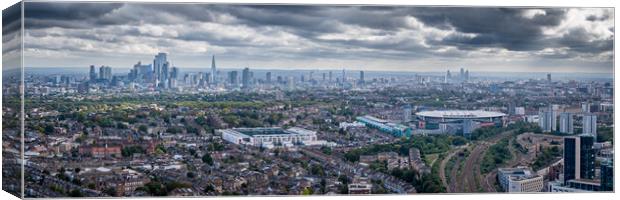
(460,114)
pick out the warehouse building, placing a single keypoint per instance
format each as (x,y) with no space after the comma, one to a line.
(271,137)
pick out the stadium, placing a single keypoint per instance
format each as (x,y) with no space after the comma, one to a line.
(458,121)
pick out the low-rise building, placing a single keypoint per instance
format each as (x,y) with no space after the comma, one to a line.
(520,179)
(397,130)
(271,137)
(360,186)
(417,163)
(101,151)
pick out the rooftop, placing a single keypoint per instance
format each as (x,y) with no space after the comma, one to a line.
(261,131)
(519,173)
(272,131)
(459,114)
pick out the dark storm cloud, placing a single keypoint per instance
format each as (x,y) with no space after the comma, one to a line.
(11,26)
(70,15)
(351,32)
(494,27)
(11,19)
(581,41)
(605,16)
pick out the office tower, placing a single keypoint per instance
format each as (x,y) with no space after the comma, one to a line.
(448,77)
(186,79)
(546,119)
(330,76)
(56,79)
(303,78)
(462,74)
(101,72)
(407,113)
(566,123)
(202,82)
(195,79)
(158,65)
(311,76)
(291,83)
(232,78)
(549,77)
(324,77)
(142,72)
(607,175)
(93,73)
(213,71)
(578,157)
(207,78)
(268,77)
(344,77)
(361,81)
(589,124)
(174,75)
(245,78)
(105,73)
(165,72)
(466,75)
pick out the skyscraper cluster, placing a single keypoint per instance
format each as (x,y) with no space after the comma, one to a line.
(161,73)
(105,74)
(463,76)
(162,70)
(141,73)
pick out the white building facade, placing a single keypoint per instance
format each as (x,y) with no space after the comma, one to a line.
(519,180)
(271,137)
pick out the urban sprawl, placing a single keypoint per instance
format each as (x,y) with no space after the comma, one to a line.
(160,131)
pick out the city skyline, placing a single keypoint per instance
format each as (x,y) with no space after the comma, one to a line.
(368,38)
(105,100)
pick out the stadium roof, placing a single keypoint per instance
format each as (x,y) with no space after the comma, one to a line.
(460,114)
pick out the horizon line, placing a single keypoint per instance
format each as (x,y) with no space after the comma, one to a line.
(340,69)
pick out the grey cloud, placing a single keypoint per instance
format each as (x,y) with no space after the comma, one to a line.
(579,40)
(494,27)
(605,16)
(64,14)
(472,28)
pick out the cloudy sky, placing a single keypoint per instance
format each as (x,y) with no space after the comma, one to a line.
(320,37)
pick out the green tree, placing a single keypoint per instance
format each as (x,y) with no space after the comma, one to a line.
(206,158)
